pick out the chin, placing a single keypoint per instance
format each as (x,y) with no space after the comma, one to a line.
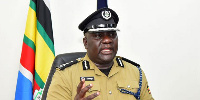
(107,58)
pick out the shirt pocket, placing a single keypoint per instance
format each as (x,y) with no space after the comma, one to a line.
(128,85)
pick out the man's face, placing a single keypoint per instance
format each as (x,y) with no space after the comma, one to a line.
(101,46)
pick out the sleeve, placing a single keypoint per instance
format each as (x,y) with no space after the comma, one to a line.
(145,91)
(60,88)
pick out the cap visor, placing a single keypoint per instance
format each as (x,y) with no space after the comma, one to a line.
(103,29)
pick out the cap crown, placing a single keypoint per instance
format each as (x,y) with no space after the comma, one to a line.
(100,17)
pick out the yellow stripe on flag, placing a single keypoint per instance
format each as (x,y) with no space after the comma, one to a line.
(43,57)
(31,25)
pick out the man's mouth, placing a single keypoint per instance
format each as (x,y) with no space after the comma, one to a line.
(106,51)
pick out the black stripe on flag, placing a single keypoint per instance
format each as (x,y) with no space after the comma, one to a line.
(44,17)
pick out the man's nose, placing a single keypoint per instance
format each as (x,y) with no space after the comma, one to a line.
(106,39)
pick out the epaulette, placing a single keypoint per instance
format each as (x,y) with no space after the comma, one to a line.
(131,62)
(68,64)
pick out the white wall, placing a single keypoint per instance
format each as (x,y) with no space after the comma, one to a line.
(161,35)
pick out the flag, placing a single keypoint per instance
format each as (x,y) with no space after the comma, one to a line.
(37,52)
(102,4)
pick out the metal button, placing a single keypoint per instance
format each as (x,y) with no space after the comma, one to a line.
(110,92)
(128,86)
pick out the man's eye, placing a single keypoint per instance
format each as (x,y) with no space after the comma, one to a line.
(113,34)
(97,35)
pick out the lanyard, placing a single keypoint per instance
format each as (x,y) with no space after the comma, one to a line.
(136,95)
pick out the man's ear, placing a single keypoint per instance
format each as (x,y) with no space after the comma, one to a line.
(85,42)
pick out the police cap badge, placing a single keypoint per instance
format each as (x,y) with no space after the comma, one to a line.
(104,19)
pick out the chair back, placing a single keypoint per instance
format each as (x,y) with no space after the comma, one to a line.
(59,60)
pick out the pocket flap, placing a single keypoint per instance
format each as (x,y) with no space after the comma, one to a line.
(127,84)
(95,85)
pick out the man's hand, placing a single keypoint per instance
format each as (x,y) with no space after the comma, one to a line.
(81,91)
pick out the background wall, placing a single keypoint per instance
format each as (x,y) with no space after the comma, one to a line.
(161,35)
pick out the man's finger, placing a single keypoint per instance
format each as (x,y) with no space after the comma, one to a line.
(80,86)
(92,96)
(84,90)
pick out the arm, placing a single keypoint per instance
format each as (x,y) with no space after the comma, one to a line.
(145,92)
(60,88)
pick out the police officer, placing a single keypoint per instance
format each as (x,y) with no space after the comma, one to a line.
(100,75)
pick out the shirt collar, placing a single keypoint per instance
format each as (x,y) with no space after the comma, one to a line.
(117,62)
(114,70)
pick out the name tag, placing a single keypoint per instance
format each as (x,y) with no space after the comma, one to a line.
(87,78)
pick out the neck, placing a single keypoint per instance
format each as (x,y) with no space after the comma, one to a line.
(104,66)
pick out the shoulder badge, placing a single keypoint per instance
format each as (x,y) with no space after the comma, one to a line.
(68,64)
(148,89)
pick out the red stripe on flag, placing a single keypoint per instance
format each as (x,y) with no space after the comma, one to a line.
(36,86)
(28,58)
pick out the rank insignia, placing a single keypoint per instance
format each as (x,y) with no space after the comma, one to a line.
(148,89)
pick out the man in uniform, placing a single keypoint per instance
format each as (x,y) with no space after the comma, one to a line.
(100,75)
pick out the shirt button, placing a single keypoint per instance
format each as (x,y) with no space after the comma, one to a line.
(89,90)
(110,92)
(128,86)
